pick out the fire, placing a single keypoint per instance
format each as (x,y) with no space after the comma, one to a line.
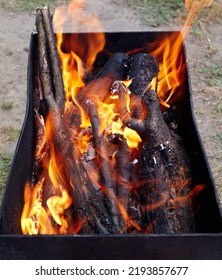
(171,65)
(57,204)
(171,69)
(47,202)
(34,218)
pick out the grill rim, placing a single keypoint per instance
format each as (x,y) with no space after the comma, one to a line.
(119,247)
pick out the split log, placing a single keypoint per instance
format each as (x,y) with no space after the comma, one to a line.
(43,61)
(165,191)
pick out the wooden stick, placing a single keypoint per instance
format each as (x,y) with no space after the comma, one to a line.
(106,170)
(43,61)
(54,58)
(123,179)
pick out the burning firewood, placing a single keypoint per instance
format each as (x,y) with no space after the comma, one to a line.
(164,171)
(142,68)
(106,169)
(164,194)
(112,187)
(99,87)
(73,172)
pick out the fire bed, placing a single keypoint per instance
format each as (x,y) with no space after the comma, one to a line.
(206,243)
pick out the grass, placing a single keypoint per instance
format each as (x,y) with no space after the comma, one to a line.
(157,12)
(212,73)
(6,105)
(25,5)
(5,162)
(11,134)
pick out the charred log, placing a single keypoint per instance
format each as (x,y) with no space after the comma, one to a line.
(165,191)
(142,68)
(99,87)
(123,180)
(40,146)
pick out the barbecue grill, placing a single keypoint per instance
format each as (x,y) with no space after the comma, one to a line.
(206,243)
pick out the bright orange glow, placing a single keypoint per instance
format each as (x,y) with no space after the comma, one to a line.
(106,114)
(127,94)
(131,136)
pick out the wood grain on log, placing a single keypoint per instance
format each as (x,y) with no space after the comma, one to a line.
(164,172)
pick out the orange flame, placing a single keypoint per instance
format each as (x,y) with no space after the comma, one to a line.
(57,205)
(34,218)
(171,69)
(171,65)
(45,207)
(79,57)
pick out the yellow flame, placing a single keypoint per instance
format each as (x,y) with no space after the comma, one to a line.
(131,136)
(34,219)
(57,205)
(171,69)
